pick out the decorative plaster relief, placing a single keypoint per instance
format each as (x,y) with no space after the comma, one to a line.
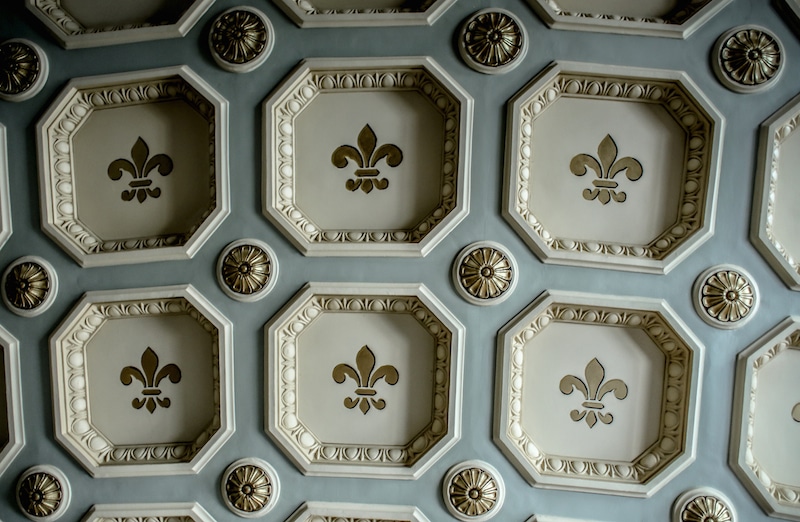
(765,426)
(651,146)
(629,16)
(772,227)
(363,380)
(29,286)
(89,23)
(350,13)
(23,69)
(367,157)
(598,393)
(142,381)
(161,138)
(241,39)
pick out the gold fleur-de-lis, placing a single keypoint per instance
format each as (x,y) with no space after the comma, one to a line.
(593,390)
(608,167)
(366,157)
(365,379)
(140,169)
(150,380)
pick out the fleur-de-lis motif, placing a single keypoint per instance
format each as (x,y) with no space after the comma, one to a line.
(796,412)
(366,157)
(608,167)
(593,390)
(365,379)
(150,380)
(140,169)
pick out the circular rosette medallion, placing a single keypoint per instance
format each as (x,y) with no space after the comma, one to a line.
(43,493)
(484,273)
(23,70)
(725,296)
(473,491)
(748,59)
(493,41)
(250,487)
(247,270)
(241,39)
(29,286)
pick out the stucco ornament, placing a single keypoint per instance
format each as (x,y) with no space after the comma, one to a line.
(748,59)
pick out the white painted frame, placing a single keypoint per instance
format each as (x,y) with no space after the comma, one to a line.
(13,392)
(6,228)
(649,471)
(304,14)
(298,442)
(557,18)
(56,178)
(619,83)
(774,131)
(775,498)
(72,35)
(91,448)
(155,512)
(317,75)
(352,512)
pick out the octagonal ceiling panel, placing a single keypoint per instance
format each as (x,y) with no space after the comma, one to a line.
(142,381)
(775,214)
(632,186)
(160,512)
(12,434)
(598,393)
(364,380)
(670,18)
(367,157)
(90,23)
(345,13)
(766,420)
(349,512)
(133,167)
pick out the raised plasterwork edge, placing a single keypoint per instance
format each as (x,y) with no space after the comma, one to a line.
(775,130)
(146,301)
(16,428)
(280,207)
(5,200)
(154,512)
(779,500)
(86,249)
(549,518)
(595,254)
(653,479)
(557,18)
(302,13)
(338,465)
(71,35)
(353,512)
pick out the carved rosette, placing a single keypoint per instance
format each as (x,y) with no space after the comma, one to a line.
(23,69)
(702,505)
(247,270)
(473,491)
(484,273)
(43,493)
(748,59)
(241,39)
(493,41)
(29,286)
(250,487)
(725,296)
